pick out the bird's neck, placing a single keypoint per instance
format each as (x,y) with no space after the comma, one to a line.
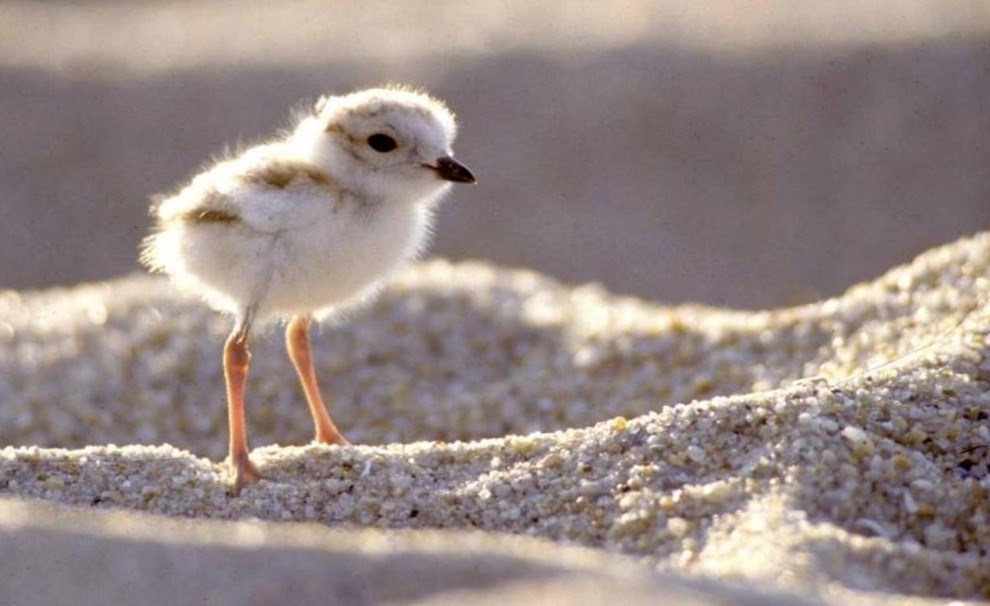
(308,144)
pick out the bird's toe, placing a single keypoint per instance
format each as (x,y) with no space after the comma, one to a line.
(244,474)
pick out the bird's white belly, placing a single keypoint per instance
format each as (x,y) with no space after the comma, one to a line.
(332,262)
(317,263)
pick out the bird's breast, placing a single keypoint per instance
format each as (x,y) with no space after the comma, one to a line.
(341,255)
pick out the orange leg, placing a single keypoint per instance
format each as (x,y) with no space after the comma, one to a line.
(236,361)
(297,344)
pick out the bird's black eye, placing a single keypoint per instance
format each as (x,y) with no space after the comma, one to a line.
(381,142)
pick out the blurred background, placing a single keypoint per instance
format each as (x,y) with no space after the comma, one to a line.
(747,154)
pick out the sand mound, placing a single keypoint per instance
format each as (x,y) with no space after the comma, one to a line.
(827,478)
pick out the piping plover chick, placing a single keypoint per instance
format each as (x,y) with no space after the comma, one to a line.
(306,225)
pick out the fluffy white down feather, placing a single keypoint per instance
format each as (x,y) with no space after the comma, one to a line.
(312,222)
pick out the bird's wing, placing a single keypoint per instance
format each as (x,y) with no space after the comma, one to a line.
(261,192)
(198,203)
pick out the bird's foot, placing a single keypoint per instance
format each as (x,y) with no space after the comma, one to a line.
(244,473)
(331,436)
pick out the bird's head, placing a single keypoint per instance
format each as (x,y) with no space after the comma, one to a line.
(384,142)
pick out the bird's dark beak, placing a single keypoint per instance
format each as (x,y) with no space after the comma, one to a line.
(449,169)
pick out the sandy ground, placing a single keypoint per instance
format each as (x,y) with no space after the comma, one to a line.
(850,466)
(676,150)
(155,561)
